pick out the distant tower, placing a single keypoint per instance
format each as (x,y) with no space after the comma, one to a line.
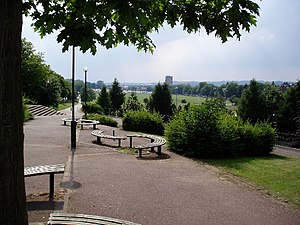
(169,80)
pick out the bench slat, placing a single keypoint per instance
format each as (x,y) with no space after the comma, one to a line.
(44,169)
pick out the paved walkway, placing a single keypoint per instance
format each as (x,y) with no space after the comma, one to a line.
(101,181)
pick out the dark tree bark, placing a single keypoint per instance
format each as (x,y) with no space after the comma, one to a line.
(12,188)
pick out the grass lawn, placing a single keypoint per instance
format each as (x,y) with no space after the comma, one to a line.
(189,99)
(65,105)
(140,96)
(279,175)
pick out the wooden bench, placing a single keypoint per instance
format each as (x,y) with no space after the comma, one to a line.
(156,141)
(84,122)
(83,219)
(65,120)
(44,170)
(99,134)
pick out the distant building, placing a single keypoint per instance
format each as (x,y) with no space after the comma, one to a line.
(169,80)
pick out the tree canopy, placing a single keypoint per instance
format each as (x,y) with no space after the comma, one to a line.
(39,82)
(109,23)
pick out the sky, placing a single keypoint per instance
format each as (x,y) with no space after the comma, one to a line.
(270,52)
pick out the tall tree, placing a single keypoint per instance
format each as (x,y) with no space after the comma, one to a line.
(103,100)
(12,188)
(40,83)
(116,96)
(161,101)
(132,103)
(84,24)
(252,105)
(289,112)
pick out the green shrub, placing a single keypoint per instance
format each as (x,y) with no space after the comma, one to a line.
(256,140)
(104,120)
(229,135)
(143,121)
(209,131)
(26,114)
(194,132)
(92,107)
(28,101)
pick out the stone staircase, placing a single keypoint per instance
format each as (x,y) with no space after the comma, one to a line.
(40,110)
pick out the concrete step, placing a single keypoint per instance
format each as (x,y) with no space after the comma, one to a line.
(40,110)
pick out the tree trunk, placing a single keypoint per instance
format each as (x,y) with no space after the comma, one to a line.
(12,188)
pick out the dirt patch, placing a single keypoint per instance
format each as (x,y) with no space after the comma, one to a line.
(39,206)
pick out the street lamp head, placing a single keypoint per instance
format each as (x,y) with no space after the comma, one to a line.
(85,69)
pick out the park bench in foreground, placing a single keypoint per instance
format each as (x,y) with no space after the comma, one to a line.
(45,170)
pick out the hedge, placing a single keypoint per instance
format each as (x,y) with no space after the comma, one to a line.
(143,121)
(208,131)
(104,120)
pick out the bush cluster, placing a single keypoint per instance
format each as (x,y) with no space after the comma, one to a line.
(143,121)
(104,120)
(92,107)
(208,131)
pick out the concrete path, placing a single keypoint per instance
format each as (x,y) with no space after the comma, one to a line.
(101,181)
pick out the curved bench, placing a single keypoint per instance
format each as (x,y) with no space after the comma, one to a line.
(156,141)
(99,134)
(84,122)
(44,170)
(69,218)
(65,120)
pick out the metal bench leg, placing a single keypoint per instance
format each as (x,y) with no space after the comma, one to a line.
(51,186)
(81,127)
(159,150)
(152,148)
(130,142)
(119,142)
(98,140)
(94,126)
(65,122)
(140,153)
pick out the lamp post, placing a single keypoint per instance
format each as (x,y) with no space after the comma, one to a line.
(73,122)
(85,96)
